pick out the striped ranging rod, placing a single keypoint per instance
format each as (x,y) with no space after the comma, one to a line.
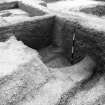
(72,57)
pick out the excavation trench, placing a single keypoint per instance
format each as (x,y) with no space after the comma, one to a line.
(67,60)
(55,39)
(50,36)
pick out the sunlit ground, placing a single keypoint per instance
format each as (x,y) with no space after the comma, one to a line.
(71,5)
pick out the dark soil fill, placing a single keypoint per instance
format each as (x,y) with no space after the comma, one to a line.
(98,10)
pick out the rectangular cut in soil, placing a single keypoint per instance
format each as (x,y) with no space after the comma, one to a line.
(63,36)
(35,33)
(98,10)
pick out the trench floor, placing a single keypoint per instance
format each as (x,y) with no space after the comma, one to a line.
(53,58)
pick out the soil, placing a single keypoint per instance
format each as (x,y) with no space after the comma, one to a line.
(12,16)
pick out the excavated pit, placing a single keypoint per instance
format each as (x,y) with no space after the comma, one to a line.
(40,79)
(49,35)
(36,33)
(72,80)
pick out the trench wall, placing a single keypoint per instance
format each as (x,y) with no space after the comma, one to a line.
(87,41)
(45,29)
(36,32)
